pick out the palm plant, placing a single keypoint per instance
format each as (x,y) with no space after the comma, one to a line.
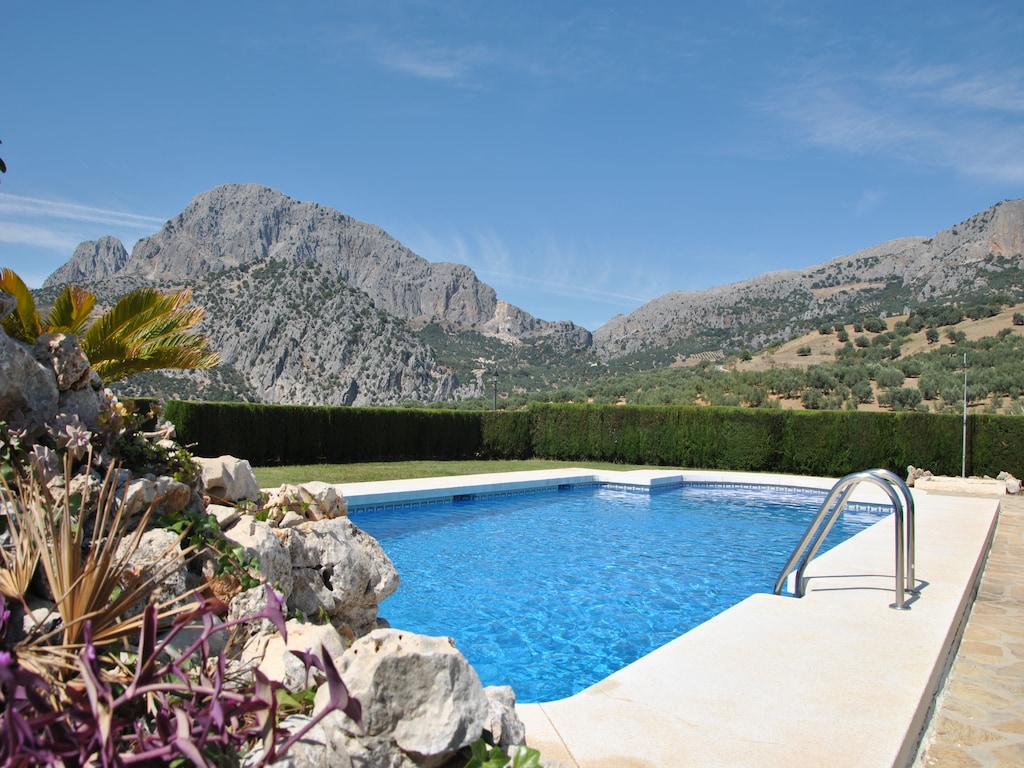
(145,330)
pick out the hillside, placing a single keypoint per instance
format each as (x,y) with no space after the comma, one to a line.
(967,262)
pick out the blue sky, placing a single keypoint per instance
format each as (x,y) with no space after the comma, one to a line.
(581,157)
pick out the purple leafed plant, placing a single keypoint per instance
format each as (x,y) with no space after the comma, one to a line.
(181,711)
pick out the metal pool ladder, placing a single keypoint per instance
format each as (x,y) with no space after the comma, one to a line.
(831,508)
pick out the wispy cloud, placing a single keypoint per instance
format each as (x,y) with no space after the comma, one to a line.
(946,117)
(574,272)
(433,62)
(868,200)
(454,45)
(59,225)
(17,233)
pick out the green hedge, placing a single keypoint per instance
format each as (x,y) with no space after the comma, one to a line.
(828,443)
(285,434)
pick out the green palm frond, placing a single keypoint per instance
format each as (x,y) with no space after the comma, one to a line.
(70,312)
(24,323)
(181,352)
(147,330)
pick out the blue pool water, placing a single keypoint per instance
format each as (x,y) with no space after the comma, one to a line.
(550,592)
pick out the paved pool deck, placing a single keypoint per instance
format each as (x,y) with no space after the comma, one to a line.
(979,720)
(835,678)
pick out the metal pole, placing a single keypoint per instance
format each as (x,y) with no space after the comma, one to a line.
(963,450)
(494,381)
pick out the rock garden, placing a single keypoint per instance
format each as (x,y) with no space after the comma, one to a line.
(163,609)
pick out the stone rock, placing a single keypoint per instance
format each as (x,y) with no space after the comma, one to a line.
(503,723)
(291,519)
(259,539)
(418,691)
(87,402)
(62,354)
(274,658)
(226,516)
(28,389)
(321,747)
(8,304)
(229,479)
(165,494)
(367,751)
(325,500)
(313,501)
(247,604)
(1013,485)
(914,474)
(158,553)
(340,570)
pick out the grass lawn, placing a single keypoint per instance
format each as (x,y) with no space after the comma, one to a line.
(272,477)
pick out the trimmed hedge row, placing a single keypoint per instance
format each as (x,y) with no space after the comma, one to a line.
(278,434)
(828,443)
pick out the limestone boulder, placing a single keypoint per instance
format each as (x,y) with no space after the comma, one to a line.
(338,571)
(310,501)
(1013,485)
(416,692)
(159,557)
(261,541)
(28,389)
(274,658)
(318,748)
(247,604)
(228,479)
(503,723)
(86,402)
(916,473)
(165,494)
(61,353)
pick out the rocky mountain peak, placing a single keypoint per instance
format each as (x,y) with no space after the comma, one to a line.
(92,260)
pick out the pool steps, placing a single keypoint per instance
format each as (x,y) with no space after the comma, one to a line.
(832,507)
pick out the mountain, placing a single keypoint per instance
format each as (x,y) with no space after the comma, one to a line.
(308,305)
(92,260)
(972,259)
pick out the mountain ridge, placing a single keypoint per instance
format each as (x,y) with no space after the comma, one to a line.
(926,269)
(308,305)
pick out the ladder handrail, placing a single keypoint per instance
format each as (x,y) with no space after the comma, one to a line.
(908,498)
(828,514)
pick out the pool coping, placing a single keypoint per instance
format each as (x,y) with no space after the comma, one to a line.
(835,678)
(399,493)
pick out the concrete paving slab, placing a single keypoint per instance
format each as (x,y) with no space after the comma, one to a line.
(979,716)
(835,678)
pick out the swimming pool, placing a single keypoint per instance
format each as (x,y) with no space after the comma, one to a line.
(552,591)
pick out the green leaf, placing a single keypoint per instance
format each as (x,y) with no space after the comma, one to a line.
(525,757)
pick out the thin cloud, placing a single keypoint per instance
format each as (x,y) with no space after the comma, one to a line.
(937,116)
(576,46)
(16,206)
(869,200)
(36,232)
(557,270)
(430,62)
(38,237)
